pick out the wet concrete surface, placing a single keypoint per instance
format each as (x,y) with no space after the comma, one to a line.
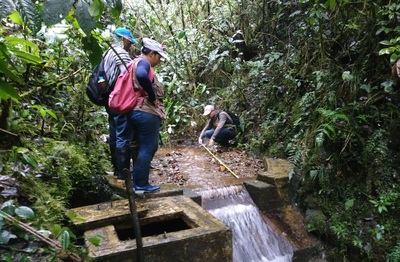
(173,229)
(194,167)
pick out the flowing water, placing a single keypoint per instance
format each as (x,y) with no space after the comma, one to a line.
(253,239)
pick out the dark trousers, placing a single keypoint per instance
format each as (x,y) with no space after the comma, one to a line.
(223,137)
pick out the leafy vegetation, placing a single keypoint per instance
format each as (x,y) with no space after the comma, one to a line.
(311,81)
(32,241)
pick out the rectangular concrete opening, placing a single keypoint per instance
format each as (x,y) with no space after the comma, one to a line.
(125,230)
(173,228)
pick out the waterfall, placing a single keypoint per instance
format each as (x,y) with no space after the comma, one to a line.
(253,239)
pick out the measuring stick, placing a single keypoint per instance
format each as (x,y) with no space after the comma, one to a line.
(222,163)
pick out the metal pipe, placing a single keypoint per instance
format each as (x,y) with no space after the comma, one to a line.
(135,216)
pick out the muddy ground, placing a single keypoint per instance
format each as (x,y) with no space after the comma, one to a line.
(193,166)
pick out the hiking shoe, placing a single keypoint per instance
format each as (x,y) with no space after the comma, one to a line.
(149,188)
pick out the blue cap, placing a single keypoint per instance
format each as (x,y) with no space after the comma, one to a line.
(125,33)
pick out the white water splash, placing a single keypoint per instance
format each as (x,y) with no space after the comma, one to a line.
(253,239)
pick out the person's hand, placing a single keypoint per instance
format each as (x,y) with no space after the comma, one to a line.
(200,141)
(211,142)
(156,103)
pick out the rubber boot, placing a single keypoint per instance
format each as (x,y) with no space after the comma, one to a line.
(123,161)
(134,148)
(114,160)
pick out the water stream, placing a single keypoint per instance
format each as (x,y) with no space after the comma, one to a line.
(253,239)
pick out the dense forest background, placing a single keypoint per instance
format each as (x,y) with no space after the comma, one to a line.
(312,81)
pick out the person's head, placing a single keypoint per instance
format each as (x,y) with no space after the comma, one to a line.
(153,51)
(209,111)
(124,38)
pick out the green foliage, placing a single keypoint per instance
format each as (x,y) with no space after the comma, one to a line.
(12,232)
(30,15)
(388,27)
(7,233)
(64,235)
(96,239)
(331,120)
(376,148)
(394,255)
(340,230)
(385,201)
(309,79)
(315,221)
(15,54)
(6,8)
(57,174)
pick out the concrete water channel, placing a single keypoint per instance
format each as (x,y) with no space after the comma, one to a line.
(175,226)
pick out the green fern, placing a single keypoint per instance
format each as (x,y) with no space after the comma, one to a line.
(295,151)
(331,121)
(376,148)
(394,256)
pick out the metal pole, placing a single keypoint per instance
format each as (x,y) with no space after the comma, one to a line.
(135,217)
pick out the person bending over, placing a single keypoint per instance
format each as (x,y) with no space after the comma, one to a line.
(219,128)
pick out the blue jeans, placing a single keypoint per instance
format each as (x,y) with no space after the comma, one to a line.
(112,128)
(147,127)
(112,139)
(123,131)
(223,136)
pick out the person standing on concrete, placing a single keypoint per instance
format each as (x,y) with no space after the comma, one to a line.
(115,58)
(145,119)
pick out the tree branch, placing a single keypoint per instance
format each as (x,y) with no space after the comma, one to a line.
(61,254)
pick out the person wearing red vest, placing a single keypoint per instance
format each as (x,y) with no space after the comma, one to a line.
(145,119)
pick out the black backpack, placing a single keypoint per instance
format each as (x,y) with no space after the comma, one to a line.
(97,88)
(234,117)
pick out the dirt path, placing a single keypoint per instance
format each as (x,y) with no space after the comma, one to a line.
(194,167)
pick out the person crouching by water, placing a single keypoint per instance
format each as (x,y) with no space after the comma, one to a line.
(219,128)
(146,117)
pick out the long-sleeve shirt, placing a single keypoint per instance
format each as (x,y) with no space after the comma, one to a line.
(113,64)
(218,121)
(142,75)
(152,87)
